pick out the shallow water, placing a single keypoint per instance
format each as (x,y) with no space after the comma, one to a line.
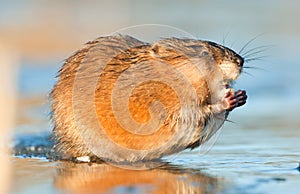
(242,161)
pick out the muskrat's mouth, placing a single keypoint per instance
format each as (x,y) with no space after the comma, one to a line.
(227,85)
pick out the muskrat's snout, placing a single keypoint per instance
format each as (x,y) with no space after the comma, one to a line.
(232,67)
(239,61)
(230,63)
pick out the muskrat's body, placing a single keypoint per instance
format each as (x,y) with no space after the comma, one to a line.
(121,99)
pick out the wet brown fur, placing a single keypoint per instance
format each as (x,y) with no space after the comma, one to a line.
(177,52)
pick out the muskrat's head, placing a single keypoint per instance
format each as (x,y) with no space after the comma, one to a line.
(229,62)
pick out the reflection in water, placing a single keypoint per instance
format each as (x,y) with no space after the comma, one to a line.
(70,177)
(104,178)
(255,163)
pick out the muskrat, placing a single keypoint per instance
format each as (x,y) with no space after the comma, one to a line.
(121,99)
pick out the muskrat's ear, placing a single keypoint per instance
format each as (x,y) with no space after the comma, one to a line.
(160,50)
(156,48)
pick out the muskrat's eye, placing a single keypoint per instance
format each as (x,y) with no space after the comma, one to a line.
(204,53)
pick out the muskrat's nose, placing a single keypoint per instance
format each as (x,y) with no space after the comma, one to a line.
(240,61)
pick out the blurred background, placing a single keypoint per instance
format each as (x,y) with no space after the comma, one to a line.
(37,35)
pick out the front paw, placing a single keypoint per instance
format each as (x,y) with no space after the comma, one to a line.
(234,100)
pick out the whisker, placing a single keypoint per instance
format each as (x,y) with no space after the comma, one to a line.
(224,37)
(256,68)
(259,47)
(254,53)
(247,73)
(233,43)
(230,121)
(223,40)
(249,42)
(256,58)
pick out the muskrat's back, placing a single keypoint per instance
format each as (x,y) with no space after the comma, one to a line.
(121,99)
